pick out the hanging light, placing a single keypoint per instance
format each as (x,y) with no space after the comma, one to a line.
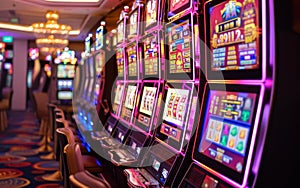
(51,36)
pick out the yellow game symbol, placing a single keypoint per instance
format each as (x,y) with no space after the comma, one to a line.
(231,143)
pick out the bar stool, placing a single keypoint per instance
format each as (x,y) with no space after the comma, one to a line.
(65,136)
(79,176)
(41,101)
(5,104)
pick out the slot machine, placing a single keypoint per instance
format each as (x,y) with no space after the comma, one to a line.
(181,74)
(131,81)
(118,87)
(120,58)
(100,60)
(88,69)
(65,75)
(150,91)
(237,96)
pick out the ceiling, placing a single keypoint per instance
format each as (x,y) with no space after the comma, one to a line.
(80,16)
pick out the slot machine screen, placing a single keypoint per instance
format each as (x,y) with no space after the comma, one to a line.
(173,127)
(120,62)
(133,21)
(118,94)
(175,106)
(129,102)
(114,38)
(176,6)
(146,105)
(234,40)
(64,95)
(117,98)
(99,62)
(120,33)
(130,96)
(148,99)
(151,67)
(179,37)
(65,71)
(227,128)
(99,37)
(131,51)
(64,84)
(151,11)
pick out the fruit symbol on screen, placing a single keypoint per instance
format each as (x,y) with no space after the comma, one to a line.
(234,131)
(226,129)
(179,62)
(224,140)
(211,126)
(248,104)
(209,135)
(219,126)
(214,41)
(217,138)
(242,134)
(240,146)
(245,115)
(231,143)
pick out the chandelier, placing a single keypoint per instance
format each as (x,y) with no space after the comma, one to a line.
(51,36)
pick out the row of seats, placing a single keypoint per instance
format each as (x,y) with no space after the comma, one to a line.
(5,105)
(78,166)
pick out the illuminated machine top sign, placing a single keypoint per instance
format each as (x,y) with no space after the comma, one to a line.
(234,39)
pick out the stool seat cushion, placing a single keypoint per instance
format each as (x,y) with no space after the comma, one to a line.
(91,164)
(85,179)
(4,104)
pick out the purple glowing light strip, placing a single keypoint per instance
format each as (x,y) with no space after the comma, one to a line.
(251,149)
(264,45)
(272,33)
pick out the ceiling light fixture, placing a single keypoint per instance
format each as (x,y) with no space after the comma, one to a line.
(51,36)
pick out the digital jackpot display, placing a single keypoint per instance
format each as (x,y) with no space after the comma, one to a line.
(234,35)
(151,12)
(132,60)
(120,62)
(151,56)
(227,127)
(179,41)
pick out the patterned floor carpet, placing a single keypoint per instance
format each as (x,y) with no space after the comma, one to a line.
(20,163)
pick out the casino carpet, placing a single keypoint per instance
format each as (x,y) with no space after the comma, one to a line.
(20,163)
